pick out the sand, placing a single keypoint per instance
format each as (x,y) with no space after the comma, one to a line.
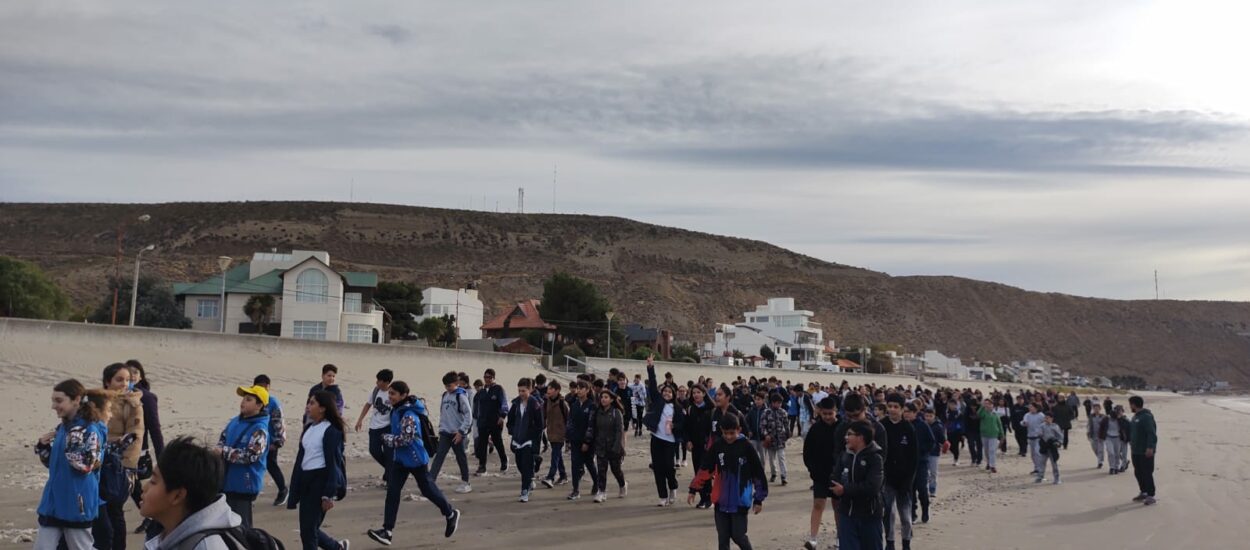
(1203,464)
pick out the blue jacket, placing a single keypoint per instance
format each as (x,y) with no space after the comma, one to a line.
(531,427)
(925,440)
(71,495)
(406,436)
(335,486)
(248,476)
(736,474)
(579,420)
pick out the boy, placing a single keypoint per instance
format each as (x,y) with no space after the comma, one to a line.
(1094,417)
(328,375)
(755,414)
(455,419)
(379,421)
(1050,441)
(901,457)
(182,495)
(556,415)
(939,441)
(820,459)
(277,438)
(857,485)
(490,407)
(244,445)
(739,482)
(776,429)
(638,395)
(1033,422)
(525,425)
(925,443)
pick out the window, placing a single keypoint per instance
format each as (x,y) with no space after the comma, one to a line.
(310,330)
(351,302)
(761,319)
(359,333)
(207,308)
(311,287)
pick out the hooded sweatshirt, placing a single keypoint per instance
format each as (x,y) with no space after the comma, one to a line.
(736,474)
(862,475)
(213,517)
(405,436)
(455,413)
(818,451)
(127,418)
(71,495)
(902,455)
(1143,435)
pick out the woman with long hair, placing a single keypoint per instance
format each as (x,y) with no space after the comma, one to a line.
(665,419)
(125,423)
(683,402)
(320,475)
(153,439)
(73,454)
(606,437)
(698,429)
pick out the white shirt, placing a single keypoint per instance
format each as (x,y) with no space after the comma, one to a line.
(818,396)
(379,409)
(666,424)
(314,446)
(520,418)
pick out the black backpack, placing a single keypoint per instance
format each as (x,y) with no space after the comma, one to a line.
(429,436)
(236,538)
(114,479)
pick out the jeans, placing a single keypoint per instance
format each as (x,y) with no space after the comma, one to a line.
(1053,459)
(311,515)
(1035,451)
(242,505)
(932,462)
(395,490)
(525,463)
(638,413)
(378,452)
(557,461)
(732,526)
(776,454)
(990,446)
(897,504)
(662,457)
(858,533)
(490,434)
(604,462)
(275,471)
(583,461)
(920,486)
(445,444)
(1144,471)
(1117,453)
(109,527)
(48,538)
(1098,446)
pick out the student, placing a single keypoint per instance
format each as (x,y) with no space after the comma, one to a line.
(1033,422)
(556,415)
(776,432)
(1094,422)
(1049,441)
(525,426)
(735,470)
(664,419)
(277,438)
(751,428)
(925,442)
(126,419)
(953,419)
(581,410)
(320,475)
(620,388)
(820,459)
(379,421)
(638,398)
(1116,430)
(153,439)
(73,454)
(329,377)
(683,403)
(455,420)
(901,458)
(244,445)
(1064,414)
(183,495)
(792,409)
(972,430)
(857,485)
(1017,424)
(698,431)
(606,437)
(491,408)
(1142,440)
(991,426)
(939,440)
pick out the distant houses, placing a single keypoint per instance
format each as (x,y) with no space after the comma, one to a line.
(795,340)
(520,317)
(462,304)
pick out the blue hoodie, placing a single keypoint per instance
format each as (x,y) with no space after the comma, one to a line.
(406,436)
(247,475)
(70,495)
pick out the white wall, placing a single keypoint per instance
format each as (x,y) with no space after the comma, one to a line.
(469,314)
(235,315)
(330,311)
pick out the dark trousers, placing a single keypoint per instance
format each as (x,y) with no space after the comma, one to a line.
(241,504)
(662,456)
(525,463)
(705,494)
(445,444)
(858,533)
(557,461)
(1065,437)
(794,424)
(311,516)
(920,486)
(1022,439)
(105,531)
(489,434)
(605,462)
(379,453)
(638,413)
(1144,471)
(275,471)
(974,447)
(732,526)
(957,441)
(395,490)
(583,461)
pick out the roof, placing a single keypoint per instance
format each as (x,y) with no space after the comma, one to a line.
(524,315)
(635,332)
(356,278)
(848,364)
(269,283)
(212,286)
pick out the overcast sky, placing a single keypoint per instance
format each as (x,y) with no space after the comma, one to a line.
(1057,146)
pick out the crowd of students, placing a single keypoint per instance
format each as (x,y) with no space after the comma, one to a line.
(872,453)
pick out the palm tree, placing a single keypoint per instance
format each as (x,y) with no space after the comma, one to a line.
(259,309)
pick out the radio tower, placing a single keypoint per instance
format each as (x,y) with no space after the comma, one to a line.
(520,200)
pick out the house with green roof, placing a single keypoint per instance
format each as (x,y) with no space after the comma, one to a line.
(312,301)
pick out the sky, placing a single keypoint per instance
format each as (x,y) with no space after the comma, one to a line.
(1069,147)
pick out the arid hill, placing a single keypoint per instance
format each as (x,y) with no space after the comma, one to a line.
(679,279)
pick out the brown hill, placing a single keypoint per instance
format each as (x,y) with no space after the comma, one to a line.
(680,279)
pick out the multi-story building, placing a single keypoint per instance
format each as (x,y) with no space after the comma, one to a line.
(795,339)
(463,304)
(937,364)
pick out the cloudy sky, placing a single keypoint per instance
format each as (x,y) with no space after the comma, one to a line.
(1057,146)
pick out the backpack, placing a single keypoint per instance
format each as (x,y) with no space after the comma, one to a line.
(429,436)
(114,479)
(236,538)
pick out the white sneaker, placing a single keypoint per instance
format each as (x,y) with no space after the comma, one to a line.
(464,488)
(811,544)
(601,497)
(624,490)
(663,502)
(525,496)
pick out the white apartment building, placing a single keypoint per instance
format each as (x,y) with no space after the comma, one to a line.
(941,365)
(795,339)
(464,304)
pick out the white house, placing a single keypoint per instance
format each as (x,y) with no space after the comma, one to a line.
(312,301)
(941,365)
(463,304)
(795,339)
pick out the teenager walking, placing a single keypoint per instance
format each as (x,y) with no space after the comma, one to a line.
(1093,431)
(244,446)
(664,419)
(72,453)
(1033,423)
(939,442)
(1142,441)
(820,459)
(1116,432)
(857,484)
(525,426)
(455,421)
(125,421)
(329,382)
(736,475)
(153,439)
(776,433)
(638,398)
(1049,442)
(582,457)
(277,439)
(491,408)
(556,415)
(698,431)
(953,419)
(991,426)
(901,458)
(183,495)
(380,420)
(606,437)
(319,478)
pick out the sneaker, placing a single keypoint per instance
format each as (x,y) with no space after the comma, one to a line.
(525,496)
(1037,480)
(345,544)
(772,478)
(671,499)
(600,497)
(783,482)
(503,469)
(889,545)
(993,470)
(624,490)
(562,481)
(663,502)
(682,464)
(380,536)
(956,462)
(464,488)
(906,544)
(704,505)
(547,483)
(1140,497)
(1148,501)
(924,516)
(282,494)
(574,496)
(453,523)
(1056,482)
(480,471)
(1099,467)
(811,544)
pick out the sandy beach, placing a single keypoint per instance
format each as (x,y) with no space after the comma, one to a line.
(1203,462)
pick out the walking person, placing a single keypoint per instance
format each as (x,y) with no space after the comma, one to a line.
(73,453)
(1049,441)
(858,482)
(410,459)
(319,478)
(1033,423)
(926,441)
(1093,431)
(491,408)
(972,430)
(455,421)
(329,382)
(380,420)
(698,430)
(732,465)
(820,459)
(901,458)
(244,446)
(1142,441)
(606,437)
(277,439)
(776,432)
(1018,410)
(939,437)
(582,457)
(525,426)
(1116,430)
(665,419)
(991,425)
(125,421)
(954,421)
(153,439)
(638,398)
(183,495)
(1004,420)
(556,415)
(1064,414)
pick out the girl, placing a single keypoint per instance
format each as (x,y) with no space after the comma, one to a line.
(1004,418)
(606,435)
(683,403)
(126,419)
(320,475)
(665,419)
(72,453)
(698,429)
(153,440)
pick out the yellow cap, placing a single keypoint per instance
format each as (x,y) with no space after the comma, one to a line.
(259,391)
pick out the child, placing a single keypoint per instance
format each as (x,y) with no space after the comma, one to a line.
(244,445)
(776,431)
(939,445)
(277,438)
(581,411)
(320,475)
(1096,441)
(455,420)
(606,437)
(329,373)
(380,420)
(182,495)
(665,419)
(73,454)
(556,414)
(525,425)
(857,486)
(738,483)
(1051,439)
(754,414)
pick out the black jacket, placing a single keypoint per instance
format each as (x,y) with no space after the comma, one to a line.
(534,423)
(579,420)
(1017,417)
(878,436)
(335,486)
(699,424)
(715,417)
(655,408)
(818,451)
(489,405)
(1063,415)
(902,454)
(862,476)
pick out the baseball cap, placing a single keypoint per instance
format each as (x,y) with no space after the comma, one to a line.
(260,392)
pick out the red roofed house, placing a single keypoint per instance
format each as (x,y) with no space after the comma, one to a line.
(522,316)
(846,365)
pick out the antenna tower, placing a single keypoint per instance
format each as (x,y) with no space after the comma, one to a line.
(520,200)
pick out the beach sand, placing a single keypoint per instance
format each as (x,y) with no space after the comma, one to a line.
(1203,470)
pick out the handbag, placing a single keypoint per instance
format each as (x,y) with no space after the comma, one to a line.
(144,471)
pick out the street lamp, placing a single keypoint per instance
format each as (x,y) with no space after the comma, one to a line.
(134,288)
(609,315)
(117,268)
(224,263)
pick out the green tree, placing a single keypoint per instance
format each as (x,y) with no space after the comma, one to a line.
(641,353)
(451,333)
(431,329)
(575,306)
(685,353)
(402,300)
(156,305)
(26,292)
(571,350)
(768,355)
(259,309)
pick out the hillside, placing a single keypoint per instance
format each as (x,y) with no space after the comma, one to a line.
(680,279)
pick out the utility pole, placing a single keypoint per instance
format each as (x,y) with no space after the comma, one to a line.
(1156,284)
(554,172)
(520,200)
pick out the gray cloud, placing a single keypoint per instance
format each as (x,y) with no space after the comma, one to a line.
(394,34)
